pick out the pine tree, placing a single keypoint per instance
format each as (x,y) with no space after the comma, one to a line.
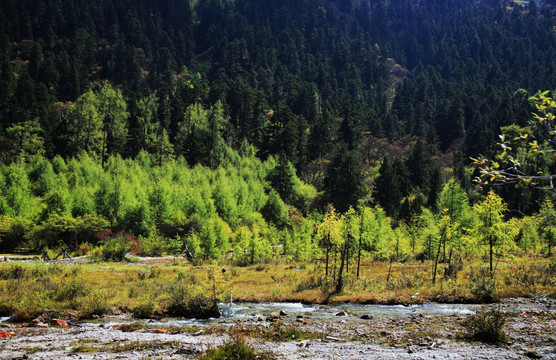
(491,224)
(344,180)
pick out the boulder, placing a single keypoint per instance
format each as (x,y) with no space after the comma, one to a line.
(342,313)
(366,317)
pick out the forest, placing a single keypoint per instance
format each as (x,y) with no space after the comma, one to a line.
(248,132)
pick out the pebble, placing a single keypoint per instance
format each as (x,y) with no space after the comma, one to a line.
(58,322)
(303,344)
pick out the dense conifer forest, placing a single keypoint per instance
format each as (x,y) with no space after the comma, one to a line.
(251,129)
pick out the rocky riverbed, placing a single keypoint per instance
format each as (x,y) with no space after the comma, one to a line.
(531,333)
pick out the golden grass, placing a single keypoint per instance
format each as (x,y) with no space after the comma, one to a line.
(26,289)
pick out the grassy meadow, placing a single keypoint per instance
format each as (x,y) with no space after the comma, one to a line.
(173,287)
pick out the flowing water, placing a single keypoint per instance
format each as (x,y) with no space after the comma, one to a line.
(253,312)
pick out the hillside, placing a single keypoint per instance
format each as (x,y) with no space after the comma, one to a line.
(348,103)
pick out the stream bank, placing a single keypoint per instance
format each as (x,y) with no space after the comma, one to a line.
(430,331)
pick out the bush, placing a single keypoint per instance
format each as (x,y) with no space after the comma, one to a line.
(182,303)
(198,307)
(313,282)
(143,310)
(95,304)
(72,290)
(551,271)
(83,249)
(482,286)
(525,278)
(279,331)
(21,314)
(115,250)
(150,246)
(12,231)
(236,348)
(115,247)
(14,272)
(486,325)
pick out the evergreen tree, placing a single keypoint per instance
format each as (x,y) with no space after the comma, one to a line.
(84,126)
(490,224)
(282,178)
(344,180)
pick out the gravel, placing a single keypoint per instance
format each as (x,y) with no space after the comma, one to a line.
(530,334)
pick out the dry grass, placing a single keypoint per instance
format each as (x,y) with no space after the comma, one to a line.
(27,289)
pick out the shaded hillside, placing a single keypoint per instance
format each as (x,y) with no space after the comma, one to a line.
(309,81)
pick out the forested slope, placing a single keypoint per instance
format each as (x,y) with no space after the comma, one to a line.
(379,101)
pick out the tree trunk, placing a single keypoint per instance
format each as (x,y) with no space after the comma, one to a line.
(491,245)
(327,251)
(340,283)
(335,262)
(347,254)
(360,242)
(436,261)
(389,269)
(328,246)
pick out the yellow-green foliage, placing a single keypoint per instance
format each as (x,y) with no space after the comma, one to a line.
(53,199)
(235,213)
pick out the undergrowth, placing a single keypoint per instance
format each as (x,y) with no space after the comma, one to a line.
(236,348)
(486,325)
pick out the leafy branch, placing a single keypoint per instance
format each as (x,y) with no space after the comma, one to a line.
(523,157)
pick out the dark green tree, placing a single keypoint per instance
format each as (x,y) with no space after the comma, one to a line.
(282,179)
(344,180)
